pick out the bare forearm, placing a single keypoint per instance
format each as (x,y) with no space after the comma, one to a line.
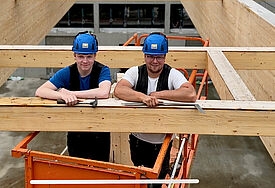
(92,93)
(183,95)
(128,94)
(101,92)
(47,93)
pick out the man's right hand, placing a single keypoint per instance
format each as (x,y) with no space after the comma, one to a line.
(69,98)
(150,101)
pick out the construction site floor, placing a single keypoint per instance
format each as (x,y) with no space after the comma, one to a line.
(221,161)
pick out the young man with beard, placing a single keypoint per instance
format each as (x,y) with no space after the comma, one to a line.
(147,83)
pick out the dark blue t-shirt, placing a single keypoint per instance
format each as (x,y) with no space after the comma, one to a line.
(61,78)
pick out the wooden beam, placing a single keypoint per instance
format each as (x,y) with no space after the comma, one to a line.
(125,57)
(35,114)
(233,23)
(112,58)
(142,1)
(239,23)
(251,60)
(226,78)
(214,122)
(28,22)
(114,102)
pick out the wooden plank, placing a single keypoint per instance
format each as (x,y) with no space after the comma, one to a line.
(262,85)
(214,122)
(269,143)
(112,102)
(114,57)
(218,81)
(231,80)
(120,148)
(251,60)
(28,22)
(264,91)
(125,1)
(138,48)
(32,114)
(260,82)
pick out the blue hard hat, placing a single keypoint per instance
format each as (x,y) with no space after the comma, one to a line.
(155,44)
(85,43)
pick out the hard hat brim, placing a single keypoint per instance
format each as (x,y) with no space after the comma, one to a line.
(155,53)
(81,52)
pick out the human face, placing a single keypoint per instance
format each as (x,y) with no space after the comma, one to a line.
(154,63)
(84,61)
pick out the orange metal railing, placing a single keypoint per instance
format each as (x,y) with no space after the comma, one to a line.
(48,166)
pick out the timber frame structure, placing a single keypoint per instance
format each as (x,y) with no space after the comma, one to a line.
(244,72)
(242,117)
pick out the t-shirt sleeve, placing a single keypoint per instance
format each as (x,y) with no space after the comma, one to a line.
(131,75)
(61,78)
(105,74)
(176,79)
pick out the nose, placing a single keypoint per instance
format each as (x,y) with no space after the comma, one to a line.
(85,59)
(155,59)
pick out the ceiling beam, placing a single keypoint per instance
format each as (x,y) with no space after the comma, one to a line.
(225,78)
(125,57)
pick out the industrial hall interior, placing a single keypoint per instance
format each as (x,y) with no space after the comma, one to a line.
(137,93)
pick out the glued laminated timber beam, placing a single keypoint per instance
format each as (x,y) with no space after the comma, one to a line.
(128,56)
(28,22)
(221,117)
(239,23)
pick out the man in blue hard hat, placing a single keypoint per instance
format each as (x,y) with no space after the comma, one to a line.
(86,78)
(147,83)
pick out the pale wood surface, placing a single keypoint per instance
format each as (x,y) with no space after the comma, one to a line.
(110,119)
(238,23)
(251,61)
(138,48)
(113,117)
(51,56)
(232,23)
(120,147)
(115,103)
(113,59)
(230,77)
(27,22)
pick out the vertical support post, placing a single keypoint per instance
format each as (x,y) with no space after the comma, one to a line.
(96,18)
(28,171)
(185,158)
(167,18)
(138,177)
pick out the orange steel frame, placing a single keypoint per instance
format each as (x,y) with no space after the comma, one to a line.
(192,140)
(47,166)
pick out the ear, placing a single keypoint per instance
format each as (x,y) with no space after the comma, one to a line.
(95,55)
(74,54)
